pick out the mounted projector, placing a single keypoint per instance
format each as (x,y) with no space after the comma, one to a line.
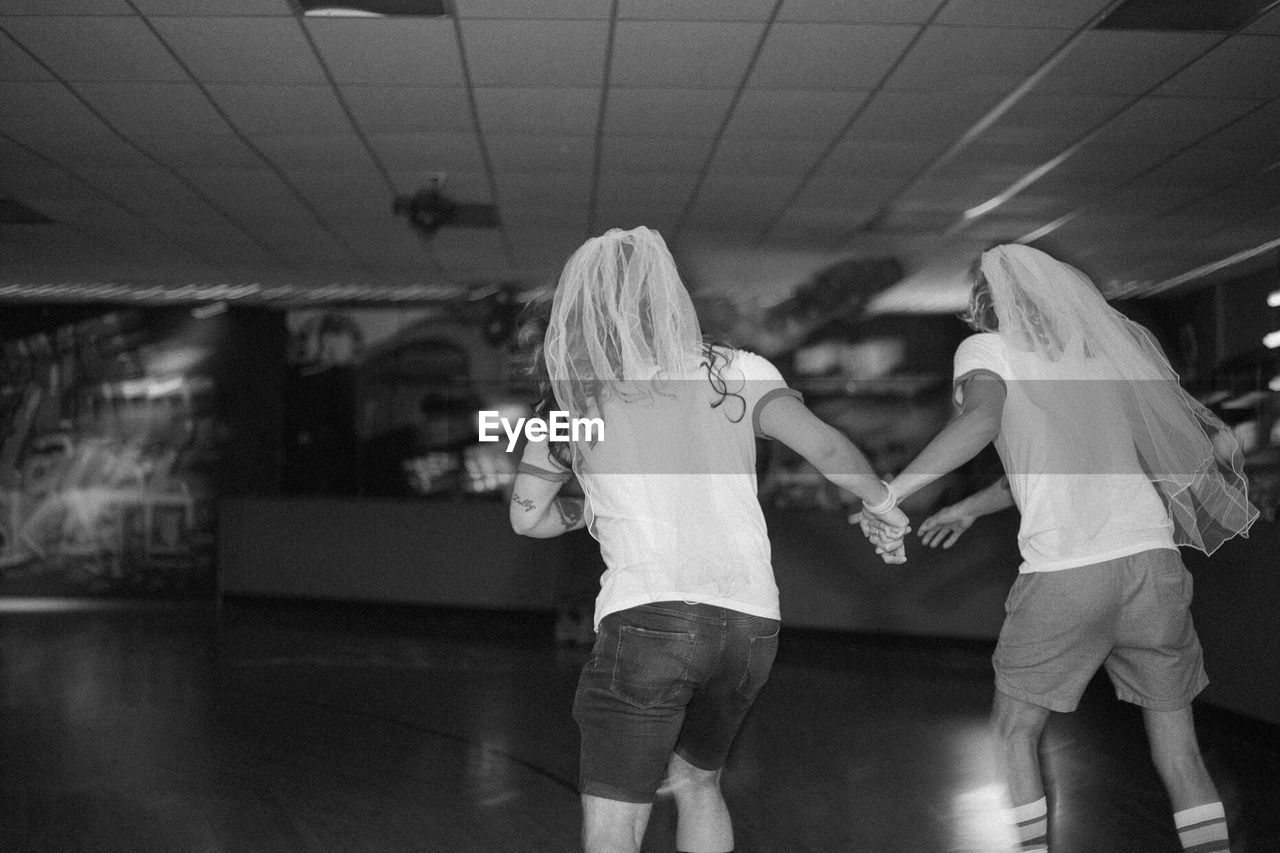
(428,210)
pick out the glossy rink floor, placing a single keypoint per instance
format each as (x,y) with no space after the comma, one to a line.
(280,727)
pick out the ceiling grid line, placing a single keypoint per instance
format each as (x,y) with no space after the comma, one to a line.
(1048,228)
(1040,171)
(106,195)
(181,178)
(724,122)
(597,152)
(840,134)
(250,144)
(383,171)
(1243,220)
(990,118)
(485,157)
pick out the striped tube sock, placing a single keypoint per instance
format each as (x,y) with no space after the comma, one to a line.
(1203,829)
(1033,826)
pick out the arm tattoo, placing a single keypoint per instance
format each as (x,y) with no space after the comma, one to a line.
(522,502)
(570,510)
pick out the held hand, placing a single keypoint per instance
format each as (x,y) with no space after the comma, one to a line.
(886,532)
(944,527)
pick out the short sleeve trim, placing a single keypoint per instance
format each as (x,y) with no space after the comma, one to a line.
(771,394)
(543,473)
(962,379)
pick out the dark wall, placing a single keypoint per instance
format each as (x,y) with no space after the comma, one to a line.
(120,431)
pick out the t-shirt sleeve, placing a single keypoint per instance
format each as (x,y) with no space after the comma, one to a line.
(978,354)
(762,385)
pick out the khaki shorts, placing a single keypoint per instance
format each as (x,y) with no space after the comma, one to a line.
(1130,615)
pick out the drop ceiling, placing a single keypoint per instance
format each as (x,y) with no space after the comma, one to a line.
(236,144)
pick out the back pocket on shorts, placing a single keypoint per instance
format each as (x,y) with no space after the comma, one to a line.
(759,664)
(650,666)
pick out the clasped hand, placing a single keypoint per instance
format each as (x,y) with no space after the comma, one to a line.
(886,532)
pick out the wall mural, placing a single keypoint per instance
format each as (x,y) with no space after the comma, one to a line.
(107,456)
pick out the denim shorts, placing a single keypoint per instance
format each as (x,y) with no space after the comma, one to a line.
(662,678)
(1130,615)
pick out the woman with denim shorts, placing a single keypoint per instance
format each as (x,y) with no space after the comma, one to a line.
(687,616)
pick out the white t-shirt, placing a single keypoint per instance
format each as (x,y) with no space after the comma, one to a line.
(1068,452)
(671,491)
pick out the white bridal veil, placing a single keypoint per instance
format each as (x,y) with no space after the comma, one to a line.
(1052,310)
(620,314)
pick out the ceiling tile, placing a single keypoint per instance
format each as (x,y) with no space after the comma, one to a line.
(792,114)
(739,156)
(554,112)
(97,48)
(150,189)
(971,59)
(281,109)
(671,113)
(200,150)
(703,10)
(633,190)
(409,51)
(551,189)
(44,109)
(829,56)
(535,53)
(859,11)
(214,8)
(1172,122)
(311,151)
(1055,120)
(1206,166)
(242,50)
(915,116)
(430,152)
(1268,24)
(741,200)
(534,229)
(248,194)
(15,64)
(95,147)
(1242,67)
(1113,62)
(551,9)
(898,160)
(682,54)
(154,108)
(1071,14)
(829,190)
(1101,167)
(652,155)
(1258,130)
(540,153)
(66,7)
(823,228)
(403,109)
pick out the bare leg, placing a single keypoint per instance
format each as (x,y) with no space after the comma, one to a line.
(1018,726)
(613,826)
(1176,754)
(702,824)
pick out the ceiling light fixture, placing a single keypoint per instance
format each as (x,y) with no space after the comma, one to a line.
(1272,339)
(1273,299)
(375,8)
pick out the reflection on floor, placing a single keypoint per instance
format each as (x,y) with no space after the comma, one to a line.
(284,727)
